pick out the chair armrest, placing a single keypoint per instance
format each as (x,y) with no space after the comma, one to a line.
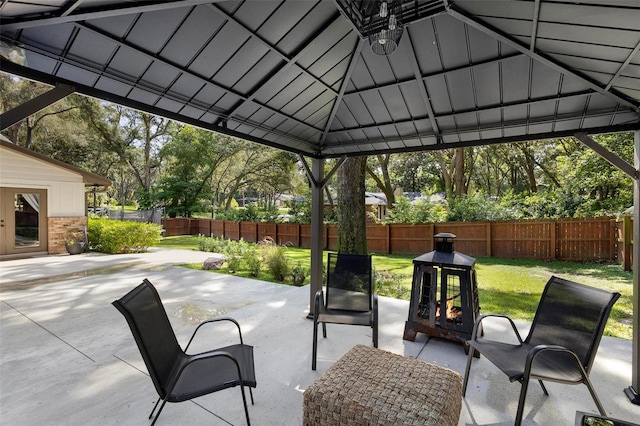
(476,326)
(213,321)
(537,350)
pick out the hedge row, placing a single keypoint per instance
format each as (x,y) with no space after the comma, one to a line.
(114,236)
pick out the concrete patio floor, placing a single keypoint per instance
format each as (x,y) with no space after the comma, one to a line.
(67,356)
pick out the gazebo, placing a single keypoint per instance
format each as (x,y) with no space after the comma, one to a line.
(332,79)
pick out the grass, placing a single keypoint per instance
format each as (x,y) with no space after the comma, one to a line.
(507,286)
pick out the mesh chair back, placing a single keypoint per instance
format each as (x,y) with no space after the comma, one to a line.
(349,282)
(152,332)
(572,315)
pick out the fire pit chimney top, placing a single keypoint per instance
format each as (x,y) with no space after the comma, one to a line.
(444,255)
(442,242)
(445,235)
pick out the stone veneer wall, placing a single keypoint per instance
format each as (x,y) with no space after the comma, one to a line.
(59,227)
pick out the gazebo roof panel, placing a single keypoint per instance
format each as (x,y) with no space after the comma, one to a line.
(296,76)
(153,31)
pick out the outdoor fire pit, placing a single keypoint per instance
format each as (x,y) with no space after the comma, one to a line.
(444,293)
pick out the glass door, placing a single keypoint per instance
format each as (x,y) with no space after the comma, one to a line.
(23,220)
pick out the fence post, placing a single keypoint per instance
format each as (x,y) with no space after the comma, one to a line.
(612,240)
(489,238)
(553,231)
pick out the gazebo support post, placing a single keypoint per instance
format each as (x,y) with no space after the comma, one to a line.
(318,180)
(317,216)
(633,390)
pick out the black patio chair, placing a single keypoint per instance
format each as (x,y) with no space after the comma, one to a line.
(349,297)
(176,375)
(562,342)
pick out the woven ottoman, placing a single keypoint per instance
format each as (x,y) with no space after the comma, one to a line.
(369,386)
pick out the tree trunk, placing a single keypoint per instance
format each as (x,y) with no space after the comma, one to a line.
(446,176)
(352,233)
(147,120)
(458,164)
(530,165)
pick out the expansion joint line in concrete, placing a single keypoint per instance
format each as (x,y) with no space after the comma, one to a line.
(49,331)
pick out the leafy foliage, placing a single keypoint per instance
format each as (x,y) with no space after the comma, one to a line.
(254,265)
(191,159)
(253,212)
(476,207)
(298,274)
(391,284)
(240,254)
(421,211)
(275,259)
(114,236)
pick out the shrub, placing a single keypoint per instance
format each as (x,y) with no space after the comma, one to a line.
(251,259)
(274,258)
(238,253)
(298,274)
(213,244)
(390,284)
(114,236)
(234,252)
(254,264)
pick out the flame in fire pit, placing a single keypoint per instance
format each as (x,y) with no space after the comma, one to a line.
(452,312)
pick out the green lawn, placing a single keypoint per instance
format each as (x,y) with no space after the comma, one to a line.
(508,286)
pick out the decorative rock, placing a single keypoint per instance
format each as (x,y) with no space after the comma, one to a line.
(214,262)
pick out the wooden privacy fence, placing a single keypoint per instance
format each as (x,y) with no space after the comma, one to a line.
(584,239)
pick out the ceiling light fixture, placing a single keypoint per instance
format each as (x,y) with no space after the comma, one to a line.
(384,27)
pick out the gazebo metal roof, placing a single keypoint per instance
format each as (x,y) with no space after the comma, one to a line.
(300,75)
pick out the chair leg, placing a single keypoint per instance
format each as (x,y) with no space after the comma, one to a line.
(324,330)
(523,397)
(244,402)
(315,345)
(374,305)
(164,401)
(592,391)
(375,335)
(544,389)
(154,407)
(251,395)
(466,371)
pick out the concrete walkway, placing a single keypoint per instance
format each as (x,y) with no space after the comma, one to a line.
(67,356)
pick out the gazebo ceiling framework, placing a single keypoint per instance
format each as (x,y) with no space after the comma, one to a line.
(302,76)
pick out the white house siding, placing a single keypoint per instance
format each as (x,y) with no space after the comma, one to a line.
(65,189)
